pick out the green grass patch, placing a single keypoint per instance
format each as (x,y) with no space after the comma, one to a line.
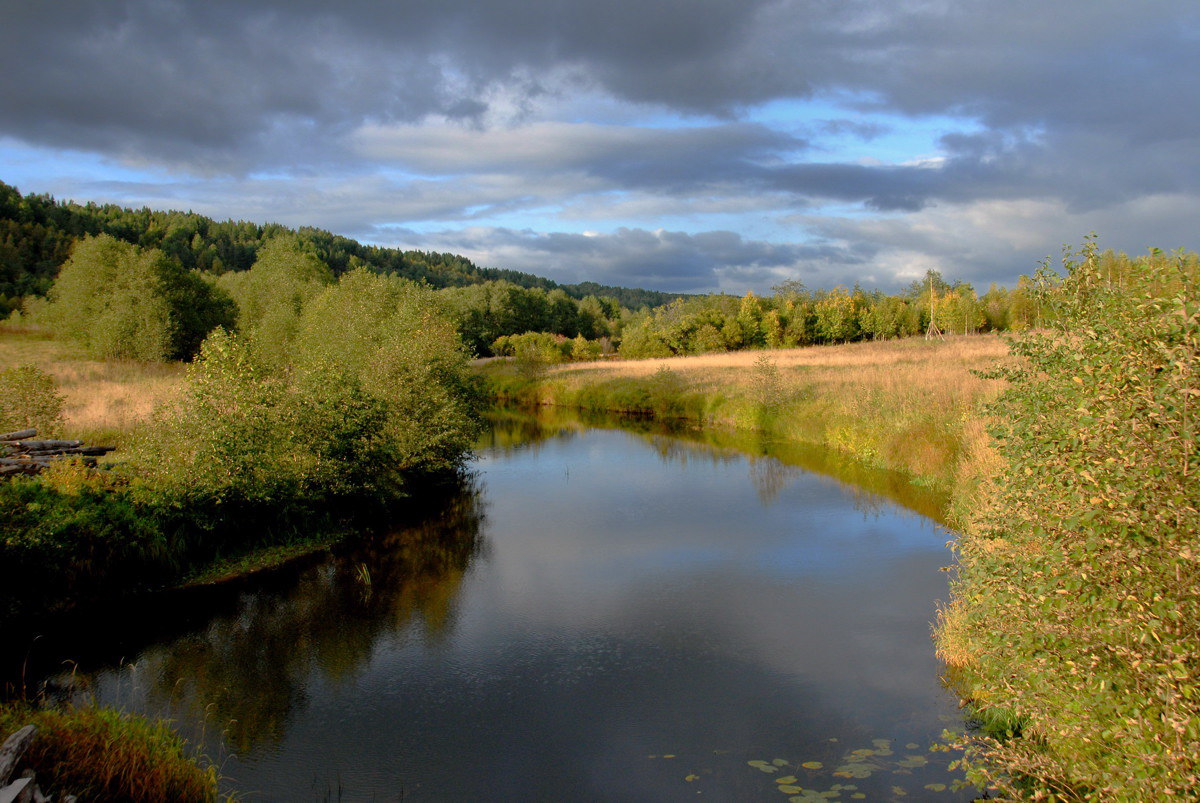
(99,754)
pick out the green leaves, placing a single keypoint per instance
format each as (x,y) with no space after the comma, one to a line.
(1078,574)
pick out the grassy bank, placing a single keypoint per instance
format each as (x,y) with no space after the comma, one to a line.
(104,401)
(905,405)
(100,754)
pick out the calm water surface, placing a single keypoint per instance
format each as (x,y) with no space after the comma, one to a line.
(600,615)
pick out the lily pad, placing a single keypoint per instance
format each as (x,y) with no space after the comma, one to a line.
(786,779)
(913,761)
(790,789)
(763,765)
(854,769)
(812,765)
(780,762)
(936,787)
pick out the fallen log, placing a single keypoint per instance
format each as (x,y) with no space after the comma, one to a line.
(46,446)
(14,747)
(24,455)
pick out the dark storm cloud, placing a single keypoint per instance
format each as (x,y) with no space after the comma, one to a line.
(673,261)
(1086,111)
(233,83)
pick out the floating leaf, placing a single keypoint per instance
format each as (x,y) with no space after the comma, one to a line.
(669,755)
(762,765)
(690,778)
(790,789)
(854,770)
(912,746)
(858,796)
(862,752)
(779,762)
(883,744)
(898,791)
(786,779)
(936,787)
(812,765)
(912,762)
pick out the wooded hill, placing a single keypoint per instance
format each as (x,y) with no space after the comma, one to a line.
(37,232)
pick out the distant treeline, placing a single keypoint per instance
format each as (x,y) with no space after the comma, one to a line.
(37,233)
(166,279)
(795,316)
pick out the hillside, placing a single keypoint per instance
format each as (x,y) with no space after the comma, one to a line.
(37,232)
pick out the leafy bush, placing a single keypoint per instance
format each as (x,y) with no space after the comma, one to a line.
(392,338)
(375,391)
(1076,615)
(125,302)
(29,398)
(62,544)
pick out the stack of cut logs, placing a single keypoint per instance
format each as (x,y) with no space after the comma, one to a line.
(21,454)
(25,788)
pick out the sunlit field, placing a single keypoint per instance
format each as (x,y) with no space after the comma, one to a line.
(103,400)
(910,405)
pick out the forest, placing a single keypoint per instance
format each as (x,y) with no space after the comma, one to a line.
(187,269)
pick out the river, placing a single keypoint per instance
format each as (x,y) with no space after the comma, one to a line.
(599,614)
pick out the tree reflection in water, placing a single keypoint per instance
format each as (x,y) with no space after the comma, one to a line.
(246,673)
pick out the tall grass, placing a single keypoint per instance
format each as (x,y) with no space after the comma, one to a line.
(98,754)
(104,400)
(904,405)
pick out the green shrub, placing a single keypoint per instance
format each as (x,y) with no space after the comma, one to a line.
(1077,607)
(29,398)
(59,545)
(375,391)
(124,302)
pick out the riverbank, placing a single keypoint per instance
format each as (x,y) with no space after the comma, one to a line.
(223,465)
(908,406)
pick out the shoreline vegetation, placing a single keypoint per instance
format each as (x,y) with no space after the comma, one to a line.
(899,405)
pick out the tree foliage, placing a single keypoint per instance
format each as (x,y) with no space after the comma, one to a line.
(122,301)
(1078,600)
(29,397)
(37,232)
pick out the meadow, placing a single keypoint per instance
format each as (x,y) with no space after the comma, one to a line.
(905,405)
(104,401)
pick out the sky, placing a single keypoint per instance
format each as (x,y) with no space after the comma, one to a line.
(676,145)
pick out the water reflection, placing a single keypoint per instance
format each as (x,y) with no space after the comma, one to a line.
(772,462)
(638,616)
(247,672)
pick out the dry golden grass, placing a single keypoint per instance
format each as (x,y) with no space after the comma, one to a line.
(103,399)
(907,404)
(958,351)
(915,376)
